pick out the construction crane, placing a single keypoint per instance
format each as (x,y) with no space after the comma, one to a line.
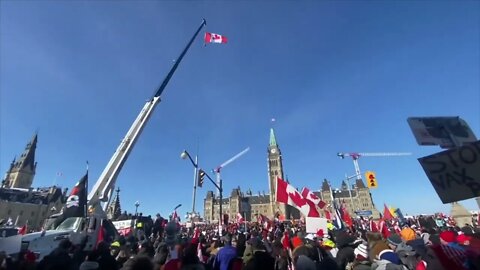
(356,156)
(219,168)
(220,186)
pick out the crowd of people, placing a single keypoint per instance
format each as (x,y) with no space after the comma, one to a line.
(278,246)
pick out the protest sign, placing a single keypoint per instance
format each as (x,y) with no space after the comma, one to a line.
(454,173)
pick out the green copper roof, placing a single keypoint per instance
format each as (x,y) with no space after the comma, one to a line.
(273,141)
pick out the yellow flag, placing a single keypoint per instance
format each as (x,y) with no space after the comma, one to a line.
(392,211)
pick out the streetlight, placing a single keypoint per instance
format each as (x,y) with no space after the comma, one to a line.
(185,155)
(137,204)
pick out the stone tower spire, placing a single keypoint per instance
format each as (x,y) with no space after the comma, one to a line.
(114,210)
(21,173)
(275,170)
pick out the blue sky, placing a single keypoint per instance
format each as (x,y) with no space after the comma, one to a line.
(337,76)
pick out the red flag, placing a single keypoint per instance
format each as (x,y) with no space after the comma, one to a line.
(310,196)
(287,194)
(100,235)
(23,230)
(215,38)
(240,219)
(327,214)
(196,236)
(373,226)
(346,217)
(384,229)
(286,241)
(386,213)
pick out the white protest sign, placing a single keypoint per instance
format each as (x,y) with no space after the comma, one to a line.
(455,173)
(313,224)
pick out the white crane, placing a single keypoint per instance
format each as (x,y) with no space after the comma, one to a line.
(355,156)
(219,168)
(103,188)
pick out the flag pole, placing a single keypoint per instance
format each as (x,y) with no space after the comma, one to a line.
(86,190)
(177,62)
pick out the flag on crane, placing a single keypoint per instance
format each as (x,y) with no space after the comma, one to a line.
(214,38)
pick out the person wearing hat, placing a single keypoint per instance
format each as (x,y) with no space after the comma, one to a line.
(361,261)
(386,258)
(260,259)
(407,234)
(449,238)
(394,240)
(346,245)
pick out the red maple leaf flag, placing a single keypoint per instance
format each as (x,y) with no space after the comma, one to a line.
(215,38)
(287,194)
(307,194)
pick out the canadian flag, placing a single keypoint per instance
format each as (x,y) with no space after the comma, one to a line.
(307,194)
(289,195)
(240,219)
(215,38)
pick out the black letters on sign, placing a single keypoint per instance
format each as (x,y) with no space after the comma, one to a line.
(455,173)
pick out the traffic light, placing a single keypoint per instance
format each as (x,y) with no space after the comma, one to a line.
(201,178)
(371,180)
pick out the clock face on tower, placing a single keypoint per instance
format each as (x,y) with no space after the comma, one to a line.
(273,151)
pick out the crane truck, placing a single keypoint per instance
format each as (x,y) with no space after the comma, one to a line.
(85,230)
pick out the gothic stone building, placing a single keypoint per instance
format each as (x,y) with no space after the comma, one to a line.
(356,199)
(249,205)
(19,201)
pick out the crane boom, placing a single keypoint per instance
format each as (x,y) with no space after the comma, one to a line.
(232,159)
(103,188)
(355,155)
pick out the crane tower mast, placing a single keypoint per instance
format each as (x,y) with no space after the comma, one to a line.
(103,188)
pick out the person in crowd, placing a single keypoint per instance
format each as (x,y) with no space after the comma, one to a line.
(225,254)
(346,246)
(59,258)
(260,258)
(361,261)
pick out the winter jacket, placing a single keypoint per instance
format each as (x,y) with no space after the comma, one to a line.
(387,265)
(224,256)
(344,256)
(362,265)
(260,260)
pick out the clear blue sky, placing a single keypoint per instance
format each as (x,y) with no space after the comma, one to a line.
(337,76)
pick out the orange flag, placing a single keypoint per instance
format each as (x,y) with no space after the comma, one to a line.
(386,213)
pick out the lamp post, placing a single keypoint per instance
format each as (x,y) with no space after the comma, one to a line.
(137,204)
(185,155)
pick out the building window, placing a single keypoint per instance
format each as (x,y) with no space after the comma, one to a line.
(21,212)
(9,211)
(33,213)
